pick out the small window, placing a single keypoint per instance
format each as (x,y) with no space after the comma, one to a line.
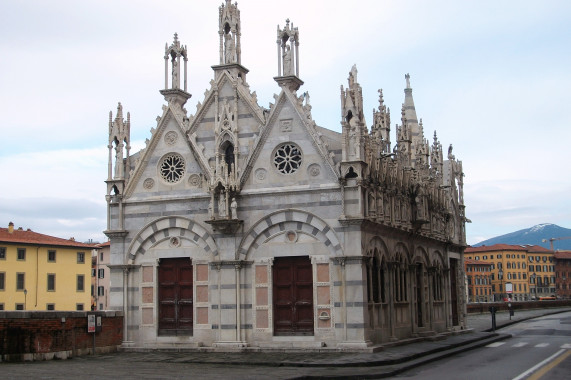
(20,281)
(21,254)
(101,273)
(80,286)
(93,272)
(19,306)
(100,306)
(1,306)
(51,282)
(100,291)
(80,257)
(79,307)
(100,256)
(2,281)
(51,306)
(2,253)
(51,256)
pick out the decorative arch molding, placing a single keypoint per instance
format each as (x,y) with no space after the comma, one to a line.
(437,256)
(167,227)
(278,222)
(420,255)
(377,244)
(401,252)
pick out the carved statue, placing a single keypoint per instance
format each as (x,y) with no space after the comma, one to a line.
(233,208)
(288,67)
(222,205)
(174,73)
(229,49)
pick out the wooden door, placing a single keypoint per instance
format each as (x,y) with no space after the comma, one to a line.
(293,296)
(175,297)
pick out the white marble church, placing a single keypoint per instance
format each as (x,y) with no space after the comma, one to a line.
(243,227)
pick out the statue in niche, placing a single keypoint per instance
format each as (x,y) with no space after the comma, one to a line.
(222,205)
(174,73)
(353,140)
(118,160)
(229,48)
(234,208)
(211,210)
(288,66)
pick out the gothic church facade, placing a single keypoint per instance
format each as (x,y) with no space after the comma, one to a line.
(242,226)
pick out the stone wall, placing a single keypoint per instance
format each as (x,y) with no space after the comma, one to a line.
(473,308)
(46,335)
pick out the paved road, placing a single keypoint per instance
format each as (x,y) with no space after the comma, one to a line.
(535,345)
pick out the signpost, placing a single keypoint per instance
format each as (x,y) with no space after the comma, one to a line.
(93,326)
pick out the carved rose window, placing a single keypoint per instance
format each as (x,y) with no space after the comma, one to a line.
(287,158)
(172,167)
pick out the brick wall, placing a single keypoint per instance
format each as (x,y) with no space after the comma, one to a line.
(45,335)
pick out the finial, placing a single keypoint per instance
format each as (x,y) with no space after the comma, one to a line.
(175,37)
(287,21)
(381,100)
(407,77)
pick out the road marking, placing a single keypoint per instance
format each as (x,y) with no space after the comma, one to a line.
(520,344)
(496,344)
(566,346)
(538,365)
(541,345)
(539,374)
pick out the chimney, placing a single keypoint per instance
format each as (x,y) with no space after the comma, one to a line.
(10,227)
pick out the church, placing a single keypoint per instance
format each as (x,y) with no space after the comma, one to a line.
(243,227)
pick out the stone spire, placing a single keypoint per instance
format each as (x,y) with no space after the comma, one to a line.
(229,30)
(174,53)
(416,133)
(353,119)
(120,137)
(288,57)
(381,128)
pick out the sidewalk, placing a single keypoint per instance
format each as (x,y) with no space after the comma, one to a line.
(387,362)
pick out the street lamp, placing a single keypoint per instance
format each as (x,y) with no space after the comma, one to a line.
(501,276)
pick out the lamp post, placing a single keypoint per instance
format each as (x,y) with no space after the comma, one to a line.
(501,276)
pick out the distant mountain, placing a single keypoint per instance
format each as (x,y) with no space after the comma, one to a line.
(534,235)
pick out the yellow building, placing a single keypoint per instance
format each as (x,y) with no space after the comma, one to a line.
(517,270)
(41,272)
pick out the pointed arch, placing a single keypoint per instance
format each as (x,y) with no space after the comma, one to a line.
(421,256)
(282,220)
(171,226)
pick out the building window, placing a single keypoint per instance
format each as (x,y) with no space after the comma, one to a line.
(100,291)
(101,273)
(287,158)
(52,256)
(51,282)
(2,253)
(1,306)
(100,256)
(100,306)
(21,254)
(93,271)
(19,306)
(80,257)
(79,307)
(172,167)
(2,281)
(51,306)
(20,281)
(80,286)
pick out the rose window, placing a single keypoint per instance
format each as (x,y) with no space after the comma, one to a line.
(172,167)
(287,158)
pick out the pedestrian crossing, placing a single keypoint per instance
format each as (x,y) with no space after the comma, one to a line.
(566,346)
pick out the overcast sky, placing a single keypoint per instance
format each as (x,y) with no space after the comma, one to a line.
(490,77)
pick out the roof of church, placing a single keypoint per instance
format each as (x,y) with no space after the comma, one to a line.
(21,236)
(507,247)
